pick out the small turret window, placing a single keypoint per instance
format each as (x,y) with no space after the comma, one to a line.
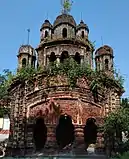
(24,62)
(106,64)
(64,33)
(46,33)
(82,34)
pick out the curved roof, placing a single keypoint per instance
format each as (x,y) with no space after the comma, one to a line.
(82,25)
(46,24)
(28,49)
(64,19)
(104,50)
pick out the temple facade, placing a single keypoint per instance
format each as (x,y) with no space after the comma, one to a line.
(43,95)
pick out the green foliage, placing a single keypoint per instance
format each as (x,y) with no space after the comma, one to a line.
(125,103)
(74,71)
(67,6)
(117,120)
(5,81)
(4,111)
(124,156)
(69,68)
(116,123)
(118,77)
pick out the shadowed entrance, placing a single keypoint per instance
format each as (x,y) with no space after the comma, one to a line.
(90,132)
(40,134)
(65,131)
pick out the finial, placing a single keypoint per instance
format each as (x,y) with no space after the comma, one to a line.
(28,36)
(102,40)
(66,4)
(81,16)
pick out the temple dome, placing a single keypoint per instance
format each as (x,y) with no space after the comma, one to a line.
(104,50)
(64,19)
(46,24)
(82,25)
(27,49)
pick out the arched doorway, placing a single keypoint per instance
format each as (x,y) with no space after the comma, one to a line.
(65,131)
(77,58)
(64,56)
(90,132)
(40,134)
(52,57)
(24,62)
(46,33)
(106,64)
(83,34)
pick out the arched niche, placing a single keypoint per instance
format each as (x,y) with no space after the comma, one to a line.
(24,62)
(77,58)
(64,56)
(82,34)
(90,132)
(65,131)
(64,33)
(39,133)
(46,33)
(52,57)
(106,64)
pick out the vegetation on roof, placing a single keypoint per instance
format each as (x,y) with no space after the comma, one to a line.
(70,68)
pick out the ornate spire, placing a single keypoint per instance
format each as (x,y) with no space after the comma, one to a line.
(66,6)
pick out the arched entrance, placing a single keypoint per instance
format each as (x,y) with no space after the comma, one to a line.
(65,131)
(40,134)
(90,132)
(64,56)
(77,58)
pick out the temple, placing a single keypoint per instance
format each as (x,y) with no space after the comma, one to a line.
(43,96)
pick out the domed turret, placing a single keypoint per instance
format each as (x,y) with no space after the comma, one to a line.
(46,30)
(82,30)
(104,58)
(104,50)
(46,24)
(26,56)
(64,19)
(64,26)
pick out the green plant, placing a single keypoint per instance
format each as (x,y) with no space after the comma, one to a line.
(69,67)
(124,156)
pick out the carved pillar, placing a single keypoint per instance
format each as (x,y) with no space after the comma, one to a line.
(82,60)
(79,136)
(47,60)
(51,137)
(45,52)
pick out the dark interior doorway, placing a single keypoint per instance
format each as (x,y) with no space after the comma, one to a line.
(90,132)
(52,57)
(40,134)
(64,56)
(77,58)
(65,131)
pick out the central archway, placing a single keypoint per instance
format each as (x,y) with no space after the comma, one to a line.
(64,56)
(40,134)
(65,131)
(90,132)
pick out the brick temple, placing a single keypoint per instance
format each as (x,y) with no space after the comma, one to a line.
(35,98)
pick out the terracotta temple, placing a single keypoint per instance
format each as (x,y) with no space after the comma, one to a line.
(51,97)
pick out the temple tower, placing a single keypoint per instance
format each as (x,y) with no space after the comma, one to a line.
(26,56)
(104,59)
